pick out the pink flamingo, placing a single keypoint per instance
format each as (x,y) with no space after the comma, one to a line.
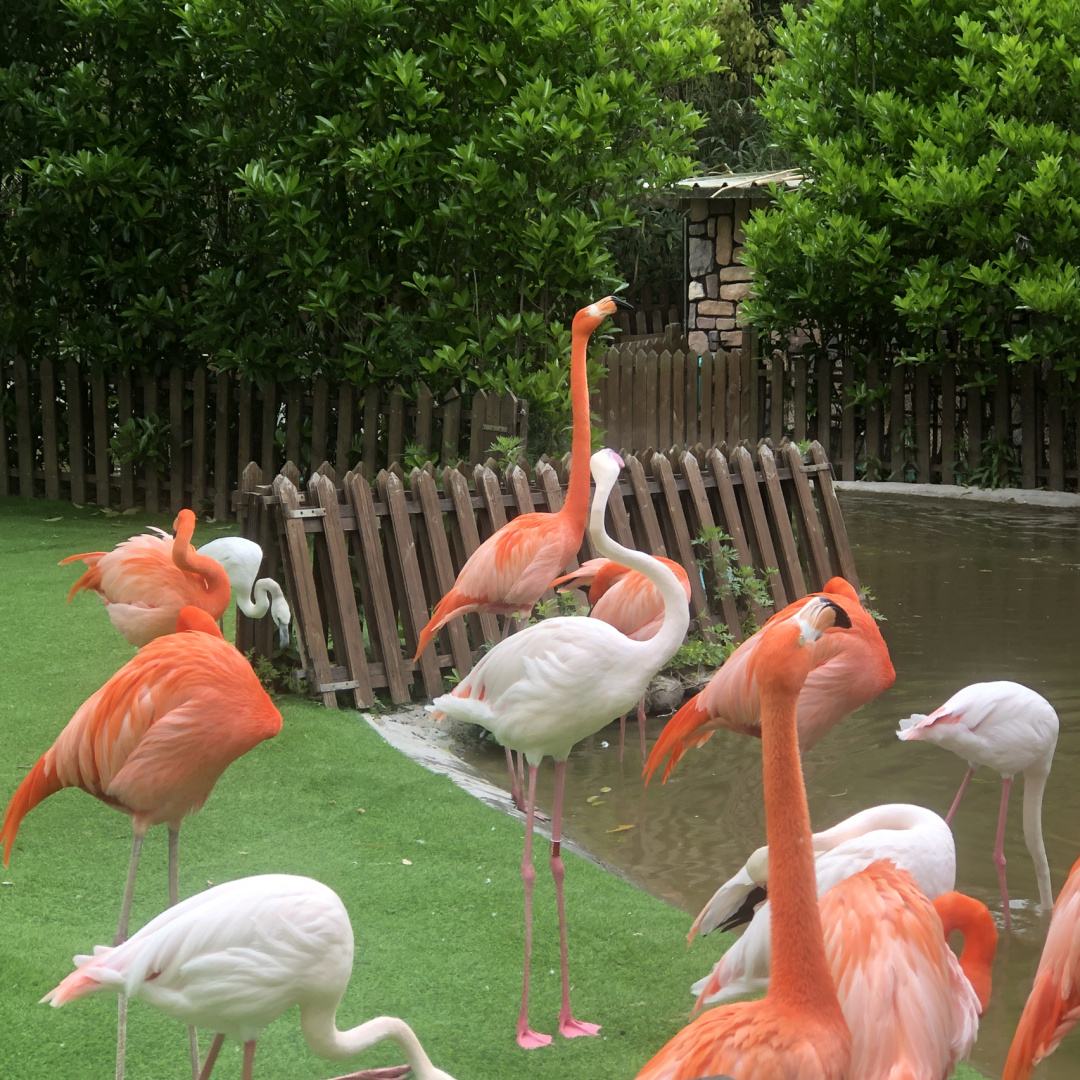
(235,957)
(858,672)
(1009,728)
(146,580)
(551,685)
(508,573)
(152,743)
(628,601)
(1053,1007)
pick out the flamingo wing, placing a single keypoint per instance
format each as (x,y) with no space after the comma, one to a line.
(1053,1007)
(632,604)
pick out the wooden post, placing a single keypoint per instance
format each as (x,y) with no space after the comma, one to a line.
(99,399)
(948,422)
(176,439)
(150,471)
(244,423)
(268,425)
(706,381)
(824,377)
(896,424)
(294,424)
(679,360)
(873,449)
(5,464)
(198,441)
(776,395)
(1031,430)
(847,422)
(663,402)
(222,488)
(320,409)
(923,434)
(24,440)
(48,425)
(800,398)
(124,412)
(1055,419)
(343,442)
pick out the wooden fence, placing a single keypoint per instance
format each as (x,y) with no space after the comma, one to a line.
(926,424)
(364,564)
(199,429)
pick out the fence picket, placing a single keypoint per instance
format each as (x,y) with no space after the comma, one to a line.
(221,447)
(680,530)
(789,567)
(99,400)
(833,518)
(760,536)
(48,426)
(24,438)
(948,422)
(151,486)
(809,526)
(5,464)
(176,439)
(1056,426)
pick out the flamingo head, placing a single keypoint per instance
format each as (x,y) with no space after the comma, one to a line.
(184,524)
(589,318)
(792,648)
(605,465)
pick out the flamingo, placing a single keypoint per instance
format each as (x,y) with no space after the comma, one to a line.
(797,1030)
(551,685)
(858,672)
(1053,1006)
(913,1009)
(152,743)
(628,601)
(242,559)
(508,573)
(913,838)
(146,580)
(235,957)
(1011,729)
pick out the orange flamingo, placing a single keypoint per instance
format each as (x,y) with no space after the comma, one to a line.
(1053,1006)
(152,743)
(797,1030)
(912,1007)
(859,671)
(627,600)
(146,580)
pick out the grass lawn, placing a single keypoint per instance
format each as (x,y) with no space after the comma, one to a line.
(429,875)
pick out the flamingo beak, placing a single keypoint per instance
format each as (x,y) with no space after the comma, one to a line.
(619,302)
(283,635)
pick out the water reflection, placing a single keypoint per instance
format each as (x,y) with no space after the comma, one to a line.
(970,592)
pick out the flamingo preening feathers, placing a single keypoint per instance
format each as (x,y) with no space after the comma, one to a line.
(858,671)
(797,1031)
(145,581)
(551,685)
(232,959)
(153,741)
(1011,729)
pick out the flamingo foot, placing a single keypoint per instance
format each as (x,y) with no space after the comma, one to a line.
(569,1028)
(528,1039)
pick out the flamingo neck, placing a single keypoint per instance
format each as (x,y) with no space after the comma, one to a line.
(326,1040)
(676,609)
(800,974)
(577,491)
(216,581)
(967,916)
(1034,786)
(258,604)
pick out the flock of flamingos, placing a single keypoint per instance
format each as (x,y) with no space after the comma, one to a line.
(846,929)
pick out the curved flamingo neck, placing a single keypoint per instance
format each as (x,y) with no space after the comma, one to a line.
(218,586)
(325,1039)
(970,918)
(577,491)
(800,974)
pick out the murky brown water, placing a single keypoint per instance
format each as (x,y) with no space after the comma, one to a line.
(971,593)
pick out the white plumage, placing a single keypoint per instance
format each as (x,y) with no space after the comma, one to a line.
(913,838)
(234,958)
(242,560)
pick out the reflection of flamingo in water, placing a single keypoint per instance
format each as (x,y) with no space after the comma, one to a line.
(235,957)
(911,837)
(629,601)
(797,1029)
(508,573)
(551,685)
(858,672)
(1011,729)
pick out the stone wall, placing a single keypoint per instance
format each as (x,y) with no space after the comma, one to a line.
(717,282)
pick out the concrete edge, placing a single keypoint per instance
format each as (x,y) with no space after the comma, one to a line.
(1059,500)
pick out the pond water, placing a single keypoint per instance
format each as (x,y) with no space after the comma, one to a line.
(971,592)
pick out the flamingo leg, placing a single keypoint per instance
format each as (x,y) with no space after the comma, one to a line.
(999,848)
(121,937)
(959,795)
(174,897)
(249,1060)
(528,1039)
(515,784)
(569,1028)
(622,736)
(211,1057)
(641,727)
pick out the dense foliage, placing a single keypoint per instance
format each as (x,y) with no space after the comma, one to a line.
(942,216)
(372,188)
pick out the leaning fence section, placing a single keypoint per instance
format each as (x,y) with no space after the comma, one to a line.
(365,562)
(167,439)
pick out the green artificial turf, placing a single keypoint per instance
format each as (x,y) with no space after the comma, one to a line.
(430,876)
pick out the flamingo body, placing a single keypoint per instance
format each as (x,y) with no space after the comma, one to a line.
(232,959)
(859,671)
(146,580)
(1053,1007)
(912,838)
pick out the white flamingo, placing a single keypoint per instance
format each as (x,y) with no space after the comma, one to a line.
(242,560)
(551,685)
(234,958)
(1011,729)
(911,837)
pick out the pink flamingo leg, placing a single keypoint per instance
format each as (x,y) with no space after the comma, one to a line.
(515,785)
(569,1028)
(249,1060)
(959,795)
(211,1057)
(121,937)
(174,897)
(528,1039)
(999,848)
(641,726)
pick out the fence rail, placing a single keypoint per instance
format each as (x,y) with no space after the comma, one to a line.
(931,424)
(364,564)
(194,431)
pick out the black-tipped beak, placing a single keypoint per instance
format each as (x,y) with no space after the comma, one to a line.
(842,618)
(624,304)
